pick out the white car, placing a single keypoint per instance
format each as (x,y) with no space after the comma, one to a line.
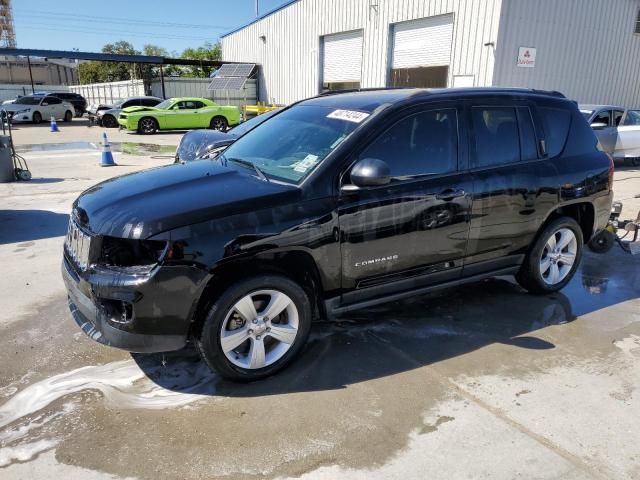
(36,108)
(617,129)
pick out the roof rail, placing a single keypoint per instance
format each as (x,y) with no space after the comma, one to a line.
(371,89)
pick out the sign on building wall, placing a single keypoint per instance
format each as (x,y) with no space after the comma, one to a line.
(527,57)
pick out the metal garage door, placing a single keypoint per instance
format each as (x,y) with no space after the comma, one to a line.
(423,43)
(342,58)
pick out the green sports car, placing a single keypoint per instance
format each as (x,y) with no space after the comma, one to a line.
(179,114)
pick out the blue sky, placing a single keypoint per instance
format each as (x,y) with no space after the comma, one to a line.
(88,24)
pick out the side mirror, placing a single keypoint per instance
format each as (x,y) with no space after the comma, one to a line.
(370,172)
(599,125)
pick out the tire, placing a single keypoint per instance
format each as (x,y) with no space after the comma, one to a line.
(219,123)
(109,121)
(78,112)
(635,161)
(68,116)
(533,275)
(37,118)
(602,242)
(147,125)
(294,323)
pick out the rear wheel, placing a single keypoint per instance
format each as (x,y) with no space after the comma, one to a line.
(68,116)
(554,258)
(219,123)
(635,161)
(37,117)
(109,121)
(78,112)
(255,328)
(147,125)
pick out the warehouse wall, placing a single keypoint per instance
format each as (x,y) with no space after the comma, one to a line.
(584,48)
(289,54)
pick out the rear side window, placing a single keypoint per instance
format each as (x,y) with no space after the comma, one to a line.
(496,134)
(556,122)
(425,143)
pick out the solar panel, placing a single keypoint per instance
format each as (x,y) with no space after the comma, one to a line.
(243,70)
(236,83)
(218,83)
(231,76)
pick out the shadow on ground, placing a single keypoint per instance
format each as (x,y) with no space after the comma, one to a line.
(402,336)
(25,225)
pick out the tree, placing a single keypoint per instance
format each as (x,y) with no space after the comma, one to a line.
(208,51)
(92,72)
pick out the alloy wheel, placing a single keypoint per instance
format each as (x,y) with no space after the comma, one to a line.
(147,125)
(259,329)
(558,256)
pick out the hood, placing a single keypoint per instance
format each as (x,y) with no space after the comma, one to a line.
(16,107)
(141,109)
(196,142)
(146,203)
(112,111)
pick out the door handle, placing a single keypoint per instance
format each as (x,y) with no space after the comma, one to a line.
(450,194)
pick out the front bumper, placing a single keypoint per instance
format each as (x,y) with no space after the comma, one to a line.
(161,321)
(127,124)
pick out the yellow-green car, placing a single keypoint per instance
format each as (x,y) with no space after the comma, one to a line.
(179,114)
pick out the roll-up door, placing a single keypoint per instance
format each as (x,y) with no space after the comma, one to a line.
(342,60)
(421,52)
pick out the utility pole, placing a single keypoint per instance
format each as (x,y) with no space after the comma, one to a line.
(257,8)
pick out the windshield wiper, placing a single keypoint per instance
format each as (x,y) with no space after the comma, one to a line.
(246,163)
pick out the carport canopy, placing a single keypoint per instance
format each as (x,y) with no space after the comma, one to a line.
(107,57)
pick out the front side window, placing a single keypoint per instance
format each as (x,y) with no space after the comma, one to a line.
(28,101)
(603,117)
(497,139)
(291,144)
(149,102)
(632,118)
(425,143)
(189,105)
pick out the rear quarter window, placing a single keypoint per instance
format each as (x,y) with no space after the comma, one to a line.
(556,123)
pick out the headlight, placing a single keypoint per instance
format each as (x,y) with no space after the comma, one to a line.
(125,252)
(26,110)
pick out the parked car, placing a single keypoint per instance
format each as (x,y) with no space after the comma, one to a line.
(197,143)
(617,129)
(179,113)
(36,108)
(108,118)
(336,203)
(94,108)
(78,101)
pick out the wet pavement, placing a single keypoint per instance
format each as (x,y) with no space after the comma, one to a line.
(481,381)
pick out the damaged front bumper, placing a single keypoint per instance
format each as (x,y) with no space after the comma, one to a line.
(138,312)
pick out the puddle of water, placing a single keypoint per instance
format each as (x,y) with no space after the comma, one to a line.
(130,148)
(121,384)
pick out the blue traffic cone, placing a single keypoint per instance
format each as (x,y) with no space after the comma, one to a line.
(107,156)
(54,125)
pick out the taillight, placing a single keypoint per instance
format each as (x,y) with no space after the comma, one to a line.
(611,169)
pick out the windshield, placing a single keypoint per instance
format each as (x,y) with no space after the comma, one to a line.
(244,127)
(294,142)
(28,101)
(119,102)
(165,104)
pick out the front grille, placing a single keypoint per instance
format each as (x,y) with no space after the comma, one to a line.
(77,245)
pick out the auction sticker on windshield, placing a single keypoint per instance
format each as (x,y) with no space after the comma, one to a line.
(348,115)
(304,165)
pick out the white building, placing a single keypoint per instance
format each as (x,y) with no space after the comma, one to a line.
(587,49)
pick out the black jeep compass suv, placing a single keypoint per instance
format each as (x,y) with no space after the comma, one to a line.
(335,203)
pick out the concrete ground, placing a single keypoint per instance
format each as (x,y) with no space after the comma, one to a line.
(482,381)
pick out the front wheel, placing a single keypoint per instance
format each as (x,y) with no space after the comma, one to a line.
(554,258)
(255,328)
(147,126)
(109,121)
(219,123)
(37,117)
